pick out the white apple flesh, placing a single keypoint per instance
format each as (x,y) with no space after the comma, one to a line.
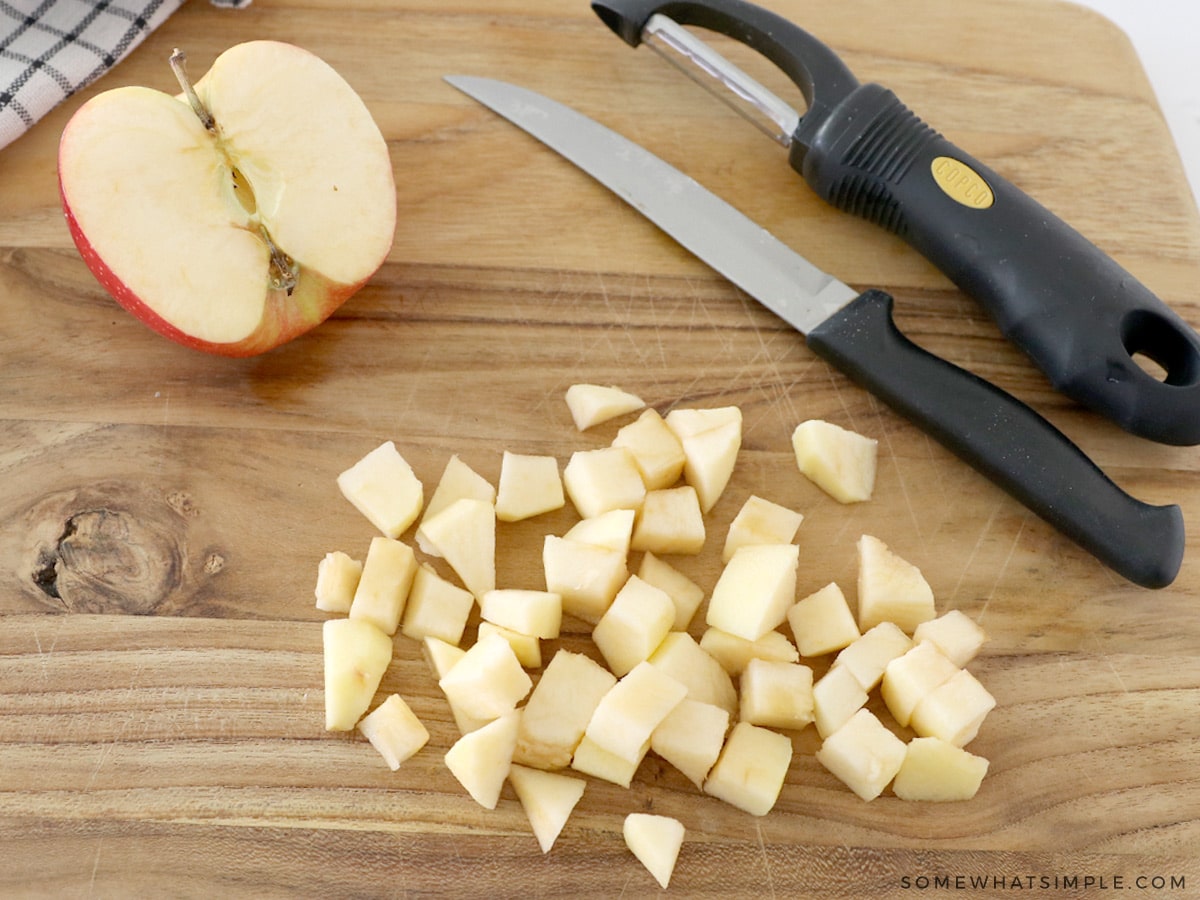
(235,239)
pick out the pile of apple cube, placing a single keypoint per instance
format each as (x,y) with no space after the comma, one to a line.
(720,708)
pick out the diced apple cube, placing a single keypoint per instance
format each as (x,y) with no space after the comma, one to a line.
(441,655)
(628,714)
(603,479)
(684,593)
(656,451)
(481,759)
(776,694)
(822,622)
(464,533)
(670,521)
(559,709)
(908,678)
(955,634)
(441,658)
(337,579)
(527,648)
(436,608)
(458,482)
(592,404)
(548,799)
(488,681)
(936,770)
(537,613)
(688,663)
(386,580)
(383,488)
(840,462)
(592,759)
(837,696)
(655,841)
(633,626)
(755,590)
(691,737)
(394,730)
(733,652)
(688,422)
(711,439)
(760,521)
(867,657)
(890,589)
(529,486)
(586,576)
(356,654)
(954,710)
(613,529)
(463,722)
(863,755)
(751,769)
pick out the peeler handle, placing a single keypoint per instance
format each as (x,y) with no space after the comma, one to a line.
(1078,314)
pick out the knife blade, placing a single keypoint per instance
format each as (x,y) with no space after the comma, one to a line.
(997,434)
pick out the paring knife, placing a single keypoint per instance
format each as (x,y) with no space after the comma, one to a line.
(1080,316)
(991,430)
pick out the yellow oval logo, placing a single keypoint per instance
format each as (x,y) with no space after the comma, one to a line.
(961,183)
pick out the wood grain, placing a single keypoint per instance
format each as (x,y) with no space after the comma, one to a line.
(162,513)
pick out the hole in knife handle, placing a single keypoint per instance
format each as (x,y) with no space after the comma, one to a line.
(1150,367)
(1159,349)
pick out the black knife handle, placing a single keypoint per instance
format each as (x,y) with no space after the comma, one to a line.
(1078,314)
(1004,440)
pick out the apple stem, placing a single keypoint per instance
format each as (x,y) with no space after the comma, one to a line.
(284,271)
(178,61)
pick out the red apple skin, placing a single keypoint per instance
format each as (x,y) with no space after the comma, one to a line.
(285,317)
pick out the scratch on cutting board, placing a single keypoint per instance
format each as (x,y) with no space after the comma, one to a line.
(44,653)
(603,336)
(761,367)
(165,422)
(625,886)
(908,503)
(837,382)
(791,390)
(107,749)
(968,563)
(95,867)
(104,753)
(1012,548)
(1117,675)
(762,846)
(1093,642)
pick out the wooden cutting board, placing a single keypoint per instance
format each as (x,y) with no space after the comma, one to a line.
(162,513)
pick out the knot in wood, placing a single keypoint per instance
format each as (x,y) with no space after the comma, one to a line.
(115,550)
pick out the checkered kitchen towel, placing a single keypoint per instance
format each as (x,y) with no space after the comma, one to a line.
(51,48)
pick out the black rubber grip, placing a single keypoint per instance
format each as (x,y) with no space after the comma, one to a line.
(1005,440)
(1079,315)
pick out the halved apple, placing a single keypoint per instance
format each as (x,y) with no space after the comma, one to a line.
(240,215)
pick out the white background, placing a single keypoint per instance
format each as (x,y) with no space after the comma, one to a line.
(1166,34)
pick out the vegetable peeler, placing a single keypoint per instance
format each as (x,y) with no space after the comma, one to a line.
(1079,316)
